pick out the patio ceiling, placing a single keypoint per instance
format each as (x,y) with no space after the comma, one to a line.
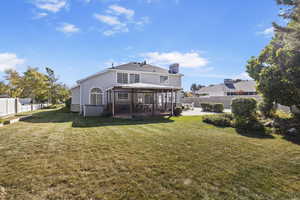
(145,86)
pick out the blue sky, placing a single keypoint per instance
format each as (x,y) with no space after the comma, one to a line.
(211,40)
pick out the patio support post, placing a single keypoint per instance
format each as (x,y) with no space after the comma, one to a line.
(153,99)
(113,103)
(172,107)
(176,98)
(132,101)
(166,100)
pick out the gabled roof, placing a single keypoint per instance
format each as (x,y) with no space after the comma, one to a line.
(74,87)
(134,66)
(244,85)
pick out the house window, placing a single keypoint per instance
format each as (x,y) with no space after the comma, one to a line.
(148,99)
(96,96)
(123,95)
(134,78)
(164,79)
(122,77)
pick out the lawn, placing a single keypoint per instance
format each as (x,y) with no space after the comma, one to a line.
(59,155)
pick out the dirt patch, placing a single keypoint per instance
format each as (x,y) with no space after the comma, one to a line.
(2,193)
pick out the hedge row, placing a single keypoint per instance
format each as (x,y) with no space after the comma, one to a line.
(212,107)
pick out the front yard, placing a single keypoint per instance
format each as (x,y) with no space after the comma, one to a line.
(58,155)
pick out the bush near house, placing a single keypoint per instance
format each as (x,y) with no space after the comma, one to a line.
(177,111)
(218,107)
(244,107)
(219,120)
(244,113)
(68,103)
(267,108)
(212,107)
(206,107)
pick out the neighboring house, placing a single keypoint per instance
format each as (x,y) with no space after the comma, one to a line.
(133,88)
(230,88)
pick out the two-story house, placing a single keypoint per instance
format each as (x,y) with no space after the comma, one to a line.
(128,89)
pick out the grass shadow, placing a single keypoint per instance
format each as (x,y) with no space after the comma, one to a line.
(62,116)
(261,134)
(52,116)
(292,138)
(81,122)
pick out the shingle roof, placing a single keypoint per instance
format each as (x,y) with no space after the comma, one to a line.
(133,66)
(244,85)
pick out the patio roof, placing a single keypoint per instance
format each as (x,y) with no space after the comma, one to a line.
(146,86)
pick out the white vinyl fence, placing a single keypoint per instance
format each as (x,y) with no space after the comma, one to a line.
(10,106)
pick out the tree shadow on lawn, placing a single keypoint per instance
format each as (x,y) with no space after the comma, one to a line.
(292,138)
(63,116)
(82,122)
(261,134)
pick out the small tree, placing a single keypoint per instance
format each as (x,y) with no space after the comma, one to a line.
(244,113)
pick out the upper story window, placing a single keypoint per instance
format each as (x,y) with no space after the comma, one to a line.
(164,79)
(127,78)
(134,78)
(122,77)
(96,96)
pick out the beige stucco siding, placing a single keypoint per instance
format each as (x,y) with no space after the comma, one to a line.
(102,81)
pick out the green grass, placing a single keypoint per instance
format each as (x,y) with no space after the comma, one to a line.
(58,155)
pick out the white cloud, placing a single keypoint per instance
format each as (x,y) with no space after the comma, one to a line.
(110,20)
(188,60)
(41,15)
(119,10)
(143,21)
(9,61)
(268,32)
(50,5)
(116,25)
(119,19)
(68,28)
(244,76)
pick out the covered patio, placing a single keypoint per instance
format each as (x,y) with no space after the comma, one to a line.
(140,99)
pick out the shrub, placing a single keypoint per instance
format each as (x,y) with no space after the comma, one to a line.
(248,123)
(244,107)
(244,112)
(1,121)
(267,108)
(228,116)
(218,107)
(177,111)
(68,103)
(212,107)
(206,107)
(218,120)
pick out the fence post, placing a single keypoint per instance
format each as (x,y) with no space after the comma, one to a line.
(16,105)
(7,104)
